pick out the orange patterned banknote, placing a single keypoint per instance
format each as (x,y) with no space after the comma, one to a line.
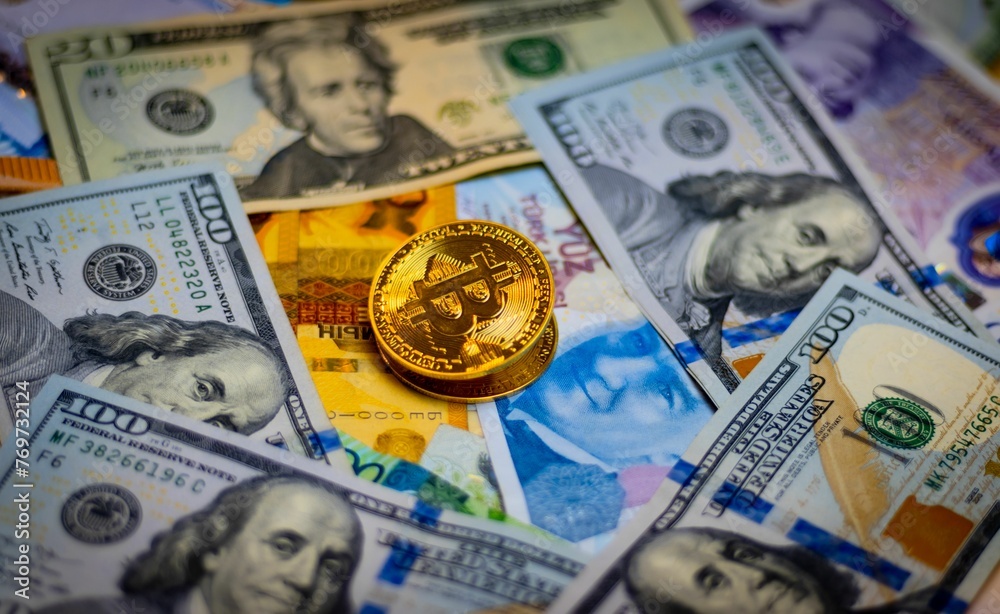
(323,262)
(19,175)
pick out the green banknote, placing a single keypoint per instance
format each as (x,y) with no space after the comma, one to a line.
(326,104)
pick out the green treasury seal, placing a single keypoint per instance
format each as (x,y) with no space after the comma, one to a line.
(900,423)
(534,57)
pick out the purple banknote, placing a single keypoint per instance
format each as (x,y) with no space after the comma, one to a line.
(925,121)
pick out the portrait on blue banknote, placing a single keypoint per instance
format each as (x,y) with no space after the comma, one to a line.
(210,371)
(327,78)
(761,242)
(271,543)
(607,414)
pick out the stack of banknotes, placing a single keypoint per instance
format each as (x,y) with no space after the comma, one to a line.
(749,253)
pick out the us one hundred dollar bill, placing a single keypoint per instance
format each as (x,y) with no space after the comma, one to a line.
(580,449)
(326,104)
(856,467)
(721,196)
(920,115)
(153,286)
(132,509)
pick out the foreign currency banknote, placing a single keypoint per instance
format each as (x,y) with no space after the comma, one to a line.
(922,118)
(323,262)
(152,286)
(973,24)
(21,132)
(441,483)
(856,467)
(721,196)
(19,175)
(125,508)
(580,449)
(326,104)
(462,458)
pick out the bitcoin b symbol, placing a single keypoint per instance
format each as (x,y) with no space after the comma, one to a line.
(454,305)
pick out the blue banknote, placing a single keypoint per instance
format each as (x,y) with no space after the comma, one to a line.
(21,132)
(577,451)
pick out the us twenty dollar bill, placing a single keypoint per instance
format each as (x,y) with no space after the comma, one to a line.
(153,286)
(856,467)
(721,196)
(21,132)
(327,104)
(131,509)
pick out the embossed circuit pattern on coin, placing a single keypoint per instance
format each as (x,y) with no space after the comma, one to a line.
(461,300)
(522,372)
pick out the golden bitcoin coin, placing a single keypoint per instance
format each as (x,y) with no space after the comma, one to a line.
(520,374)
(461,300)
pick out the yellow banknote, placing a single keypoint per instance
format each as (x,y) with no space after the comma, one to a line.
(323,262)
(278,236)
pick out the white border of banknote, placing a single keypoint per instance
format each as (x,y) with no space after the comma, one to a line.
(68,146)
(529,109)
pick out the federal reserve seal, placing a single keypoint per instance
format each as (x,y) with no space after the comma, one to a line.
(695,133)
(899,423)
(101,514)
(180,112)
(534,57)
(119,272)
